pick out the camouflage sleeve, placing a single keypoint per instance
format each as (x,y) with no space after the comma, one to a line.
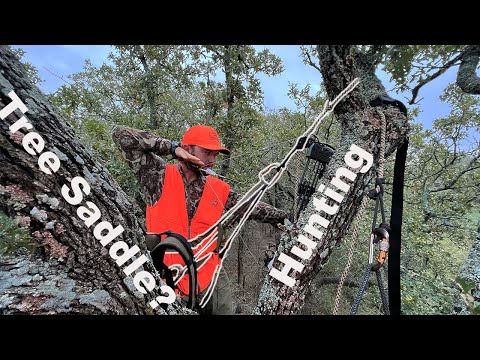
(263,212)
(142,149)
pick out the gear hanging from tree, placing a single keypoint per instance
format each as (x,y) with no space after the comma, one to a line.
(318,156)
(380,236)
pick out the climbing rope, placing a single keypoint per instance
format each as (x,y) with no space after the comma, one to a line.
(344,276)
(256,192)
(381,160)
(380,234)
(350,255)
(363,287)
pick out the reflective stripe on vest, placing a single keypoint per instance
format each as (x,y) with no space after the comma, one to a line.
(170,213)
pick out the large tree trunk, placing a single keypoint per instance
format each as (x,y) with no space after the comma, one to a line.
(71,271)
(467,299)
(360,126)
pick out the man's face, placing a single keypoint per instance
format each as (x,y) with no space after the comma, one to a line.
(208,157)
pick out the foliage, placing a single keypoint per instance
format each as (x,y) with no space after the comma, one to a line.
(12,237)
(442,196)
(32,71)
(412,65)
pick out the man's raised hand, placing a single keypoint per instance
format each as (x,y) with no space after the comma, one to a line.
(183,154)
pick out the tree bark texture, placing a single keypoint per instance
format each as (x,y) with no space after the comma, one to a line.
(467,78)
(71,272)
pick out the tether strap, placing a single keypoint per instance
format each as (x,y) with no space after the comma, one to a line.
(363,287)
(178,243)
(396,230)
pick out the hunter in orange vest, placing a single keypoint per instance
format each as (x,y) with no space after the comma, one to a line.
(182,199)
(204,142)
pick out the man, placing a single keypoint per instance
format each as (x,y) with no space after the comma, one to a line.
(182,199)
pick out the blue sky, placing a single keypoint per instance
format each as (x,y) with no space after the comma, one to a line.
(64,60)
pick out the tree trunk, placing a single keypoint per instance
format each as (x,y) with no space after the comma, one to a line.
(227,66)
(360,126)
(150,88)
(240,253)
(71,272)
(467,299)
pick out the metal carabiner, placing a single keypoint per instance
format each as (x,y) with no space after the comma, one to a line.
(381,235)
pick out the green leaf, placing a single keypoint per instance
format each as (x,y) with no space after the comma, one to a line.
(466,284)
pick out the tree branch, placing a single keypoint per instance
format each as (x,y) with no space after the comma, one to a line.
(426,208)
(309,59)
(468,168)
(425,81)
(150,87)
(215,51)
(467,78)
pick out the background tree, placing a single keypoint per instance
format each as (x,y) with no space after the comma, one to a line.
(242,94)
(467,296)
(442,199)
(414,66)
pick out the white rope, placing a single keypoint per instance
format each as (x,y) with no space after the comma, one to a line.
(350,254)
(257,191)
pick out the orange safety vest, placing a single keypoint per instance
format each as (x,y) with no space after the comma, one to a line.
(170,213)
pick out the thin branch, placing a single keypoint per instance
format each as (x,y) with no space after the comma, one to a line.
(58,76)
(432,77)
(459,175)
(210,48)
(310,61)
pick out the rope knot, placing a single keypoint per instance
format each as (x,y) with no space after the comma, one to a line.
(267,170)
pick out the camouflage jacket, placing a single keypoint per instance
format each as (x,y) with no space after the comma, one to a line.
(143,151)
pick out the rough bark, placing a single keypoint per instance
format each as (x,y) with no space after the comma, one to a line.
(360,126)
(467,299)
(467,78)
(240,257)
(71,271)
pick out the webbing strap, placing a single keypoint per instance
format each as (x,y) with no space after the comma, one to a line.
(396,214)
(179,244)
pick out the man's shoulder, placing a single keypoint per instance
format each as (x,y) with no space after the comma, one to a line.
(217,181)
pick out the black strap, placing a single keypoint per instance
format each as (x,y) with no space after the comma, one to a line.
(396,230)
(178,243)
(396,211)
